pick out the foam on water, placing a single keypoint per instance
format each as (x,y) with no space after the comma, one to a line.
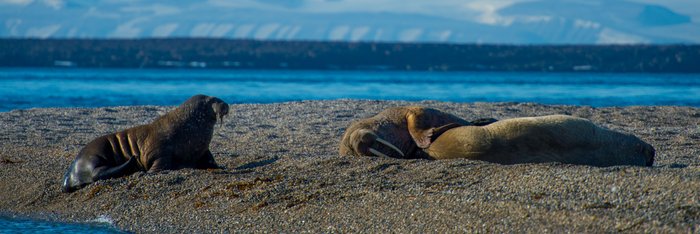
(104,219)
(20,225)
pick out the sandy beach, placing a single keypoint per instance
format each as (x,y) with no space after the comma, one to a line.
(282,173)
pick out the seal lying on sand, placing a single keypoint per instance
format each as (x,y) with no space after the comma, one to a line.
(178,139)
(397,132)
(554,138)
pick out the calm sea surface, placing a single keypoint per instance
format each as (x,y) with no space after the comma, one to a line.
(17,225)
(27,88)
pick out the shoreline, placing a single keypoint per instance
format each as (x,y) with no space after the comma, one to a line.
(41,224)
(282,173)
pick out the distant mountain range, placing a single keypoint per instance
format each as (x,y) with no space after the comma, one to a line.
(529,22)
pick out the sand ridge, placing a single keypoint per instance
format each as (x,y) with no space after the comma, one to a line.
(282,173)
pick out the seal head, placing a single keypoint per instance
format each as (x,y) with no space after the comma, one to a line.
(398,132)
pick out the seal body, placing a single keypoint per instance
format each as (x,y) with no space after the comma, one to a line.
(555,138)
(398,132)
(178,139)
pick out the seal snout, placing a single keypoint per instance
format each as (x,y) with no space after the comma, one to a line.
(367,143)
(220,110)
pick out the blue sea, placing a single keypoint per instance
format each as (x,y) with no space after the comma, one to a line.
(21,225)
(22,88)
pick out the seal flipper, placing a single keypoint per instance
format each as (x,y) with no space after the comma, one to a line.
(80,173)
(72,179)
(649,153)
(436,132)
(420,133)
(207,161)
(129,167)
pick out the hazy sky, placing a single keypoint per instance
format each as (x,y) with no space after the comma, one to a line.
(684,6)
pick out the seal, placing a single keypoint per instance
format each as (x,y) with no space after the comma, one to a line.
(178,139)
(398,132)
(553,138)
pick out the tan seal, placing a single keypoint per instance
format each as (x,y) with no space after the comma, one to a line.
(398,132)
(178,139)
(554,138)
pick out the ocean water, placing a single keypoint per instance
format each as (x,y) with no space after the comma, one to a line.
(22,88)
(19,225)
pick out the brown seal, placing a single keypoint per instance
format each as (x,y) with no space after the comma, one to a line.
(554,138)
(398,132)
(178,139)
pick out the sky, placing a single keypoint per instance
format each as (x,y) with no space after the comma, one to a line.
(454,21)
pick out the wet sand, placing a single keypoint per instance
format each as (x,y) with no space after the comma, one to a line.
(283,174)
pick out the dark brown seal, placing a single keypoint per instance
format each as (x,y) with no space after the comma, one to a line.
(554,138)
(178,139)
(398,132)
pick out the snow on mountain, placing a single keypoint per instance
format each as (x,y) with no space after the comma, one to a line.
(475,21)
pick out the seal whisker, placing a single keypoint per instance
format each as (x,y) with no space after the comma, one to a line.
(380,140)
